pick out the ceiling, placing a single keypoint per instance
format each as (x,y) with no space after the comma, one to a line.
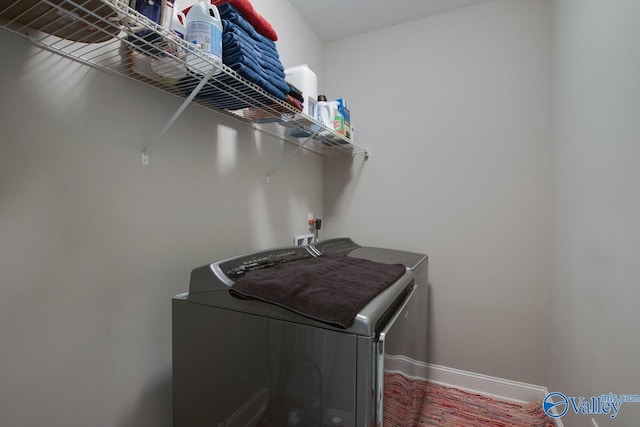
(337,19)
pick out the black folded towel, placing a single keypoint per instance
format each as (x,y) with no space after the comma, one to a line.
(329,288)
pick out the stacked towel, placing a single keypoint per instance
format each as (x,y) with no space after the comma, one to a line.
(250,54)
(250,14)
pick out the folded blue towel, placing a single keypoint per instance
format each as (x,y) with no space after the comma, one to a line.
(234,39)
(251,55)
(254,77)
(267,74)
(230,13)
(229,27)
(238,48)
(231,49)
(224,92)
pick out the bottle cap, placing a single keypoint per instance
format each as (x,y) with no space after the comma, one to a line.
(322,98)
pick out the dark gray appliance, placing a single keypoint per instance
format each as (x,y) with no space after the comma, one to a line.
(247,363)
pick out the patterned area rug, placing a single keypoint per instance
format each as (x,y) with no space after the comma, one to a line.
(416,403)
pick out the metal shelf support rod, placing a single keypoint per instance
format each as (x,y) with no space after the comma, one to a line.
(293,153)
(147,149)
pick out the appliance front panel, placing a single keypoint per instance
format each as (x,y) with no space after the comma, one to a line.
(236,369)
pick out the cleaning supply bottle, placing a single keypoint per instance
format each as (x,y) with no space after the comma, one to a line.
(337,120)
(172,18)
(325,111)
(178,21)
(345,126)
(171,64)
(204,30)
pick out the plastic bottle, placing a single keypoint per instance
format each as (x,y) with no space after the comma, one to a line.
(173,19)
(171,65)
(204,29)
(338,118)
(325,111)
(344,127)
(178,23)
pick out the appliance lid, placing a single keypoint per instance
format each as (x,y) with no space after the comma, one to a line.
(210,285)
(344,245)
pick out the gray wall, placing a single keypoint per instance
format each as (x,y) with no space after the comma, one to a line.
(93,245)
(470,164)
(594,319)
(457,110)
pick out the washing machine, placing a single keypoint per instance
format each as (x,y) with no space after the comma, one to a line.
(250,362)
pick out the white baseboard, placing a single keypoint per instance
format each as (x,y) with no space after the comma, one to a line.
(470,381)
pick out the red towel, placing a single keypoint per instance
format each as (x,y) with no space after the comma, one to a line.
(250,14)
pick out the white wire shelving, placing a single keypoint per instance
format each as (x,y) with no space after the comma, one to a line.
(111,36)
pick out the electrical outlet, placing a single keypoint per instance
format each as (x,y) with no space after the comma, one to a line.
(303,239)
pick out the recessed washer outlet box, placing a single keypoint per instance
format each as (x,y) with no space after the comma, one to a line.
(303,239)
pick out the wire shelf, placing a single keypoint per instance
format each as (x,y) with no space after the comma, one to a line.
(111,36)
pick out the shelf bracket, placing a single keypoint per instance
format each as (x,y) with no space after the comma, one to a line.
(147,148)
(293,153)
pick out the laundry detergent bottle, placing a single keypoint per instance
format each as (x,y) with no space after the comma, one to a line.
(326,113)
(178,23)
(204,30)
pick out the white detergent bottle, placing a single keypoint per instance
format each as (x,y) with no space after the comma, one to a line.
(204,29)
(326,113)
(173,19)
(171,65)
(178,23)
(329,114)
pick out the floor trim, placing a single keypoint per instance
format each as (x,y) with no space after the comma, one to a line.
(499,388)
